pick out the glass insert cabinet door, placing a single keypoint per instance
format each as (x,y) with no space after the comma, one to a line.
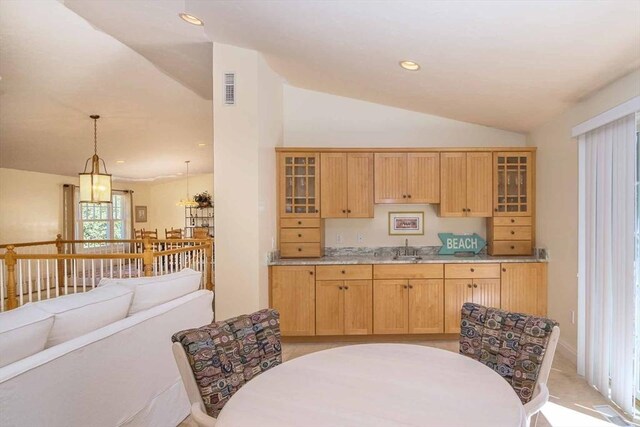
(513,176)
(299,184)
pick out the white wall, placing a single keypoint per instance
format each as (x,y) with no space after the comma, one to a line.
(557,199)
(244,178)
(315,119)
(31,203)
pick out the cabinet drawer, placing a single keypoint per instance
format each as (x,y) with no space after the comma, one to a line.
(300,223)
(300,250)
(512,220)
(507,247)
(343,272)
(302,235)
(471,271)
(401,271)
(512,233)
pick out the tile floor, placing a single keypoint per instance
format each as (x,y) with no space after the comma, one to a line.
(570,405)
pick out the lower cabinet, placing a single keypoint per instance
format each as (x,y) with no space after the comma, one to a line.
(293,290)
(344,307)
(408,306)
(524,288)
(458,291)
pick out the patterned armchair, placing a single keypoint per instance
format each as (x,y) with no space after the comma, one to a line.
(216,360)
(519,347)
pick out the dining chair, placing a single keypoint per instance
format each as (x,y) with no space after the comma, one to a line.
(217,359)
(138,233)
(173,233)
(520,347)
(151,234)
(201,233)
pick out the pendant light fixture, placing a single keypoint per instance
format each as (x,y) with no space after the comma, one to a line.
(188,201)
(95,187)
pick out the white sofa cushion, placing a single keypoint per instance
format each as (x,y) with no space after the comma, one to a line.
(23,332)
(82,313)
(152,291)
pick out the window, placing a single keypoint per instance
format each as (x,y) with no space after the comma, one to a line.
(97,221)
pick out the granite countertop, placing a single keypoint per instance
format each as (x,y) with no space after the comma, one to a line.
(384,255)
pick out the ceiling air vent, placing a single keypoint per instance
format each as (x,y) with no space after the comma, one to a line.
(229,88)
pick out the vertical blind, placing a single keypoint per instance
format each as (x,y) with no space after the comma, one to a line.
(607,256)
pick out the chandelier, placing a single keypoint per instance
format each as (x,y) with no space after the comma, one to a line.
(187,201)
(95,187)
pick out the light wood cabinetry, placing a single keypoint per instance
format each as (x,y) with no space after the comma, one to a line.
(409,300)
(477,283)
(524,288)
(344,307)
(466,184)
(407,178)
(511,231)
(346,185)
(293,295)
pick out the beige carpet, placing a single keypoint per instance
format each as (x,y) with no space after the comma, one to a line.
(571,403)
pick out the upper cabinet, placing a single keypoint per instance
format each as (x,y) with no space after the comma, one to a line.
(466,184)
(513,178)
(346,185)
(407,178)
(299,180)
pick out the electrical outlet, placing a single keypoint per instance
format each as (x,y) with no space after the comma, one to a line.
(338,238)
(360,237)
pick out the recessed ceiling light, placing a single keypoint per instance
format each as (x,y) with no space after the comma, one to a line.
(202,144)
(410,65)
(191,19)
(120,161)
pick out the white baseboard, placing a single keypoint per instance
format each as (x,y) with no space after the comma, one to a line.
(568,351)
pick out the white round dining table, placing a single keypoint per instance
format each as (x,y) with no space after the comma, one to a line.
(376,385)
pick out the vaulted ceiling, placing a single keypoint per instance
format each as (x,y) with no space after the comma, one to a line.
(510,65)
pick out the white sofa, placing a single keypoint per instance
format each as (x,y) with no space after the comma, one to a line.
(120,374)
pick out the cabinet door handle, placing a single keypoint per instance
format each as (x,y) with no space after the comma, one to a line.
(475,286)
(468,285)
(346,288)
(348,210)
(405,286)
(343,272)
(504,270)
(311,273)
(513,232)
(468,210)
(344,211)
(299,235)
(299,222)
(340,287)
(410,286)
(409,195)
(299,249)
(404,196)
(512,220)
(464,209)
(473,269)
(513,247)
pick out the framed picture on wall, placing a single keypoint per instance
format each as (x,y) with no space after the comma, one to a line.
(141,214)
(406,223)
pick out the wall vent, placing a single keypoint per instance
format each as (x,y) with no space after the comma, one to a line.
(230,88)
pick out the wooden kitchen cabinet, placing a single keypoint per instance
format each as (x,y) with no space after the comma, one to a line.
(408,306)
(344,307)
(524,288)
(466,184)
(293,295)
(390,306)
(468,282)
(298,176)
(346,185)
(407,178)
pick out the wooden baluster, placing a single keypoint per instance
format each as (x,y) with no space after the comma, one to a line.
(10,262)
(208,265)
(147,257)
(60,248)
